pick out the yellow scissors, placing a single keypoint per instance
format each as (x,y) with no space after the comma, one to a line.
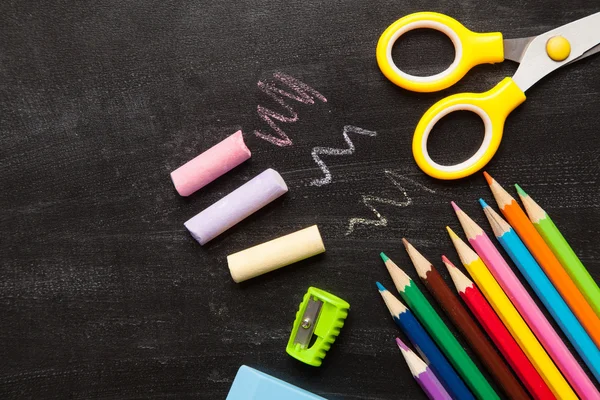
(538,56)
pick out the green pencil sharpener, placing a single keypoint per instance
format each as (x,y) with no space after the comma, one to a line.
(318,323)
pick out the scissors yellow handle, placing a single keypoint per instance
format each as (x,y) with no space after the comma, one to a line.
(538,56)
(493,107)
(470,49)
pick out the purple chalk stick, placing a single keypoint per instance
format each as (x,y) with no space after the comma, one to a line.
(237,205)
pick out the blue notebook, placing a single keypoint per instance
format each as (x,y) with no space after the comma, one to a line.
(250,384)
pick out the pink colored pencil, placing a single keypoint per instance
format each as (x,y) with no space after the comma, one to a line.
(527,308)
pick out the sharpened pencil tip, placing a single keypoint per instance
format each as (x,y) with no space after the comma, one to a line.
(488,178)
(405,242)
(520,191)
(451,232)
(384,257)
(445,260)
(380,287)
(483,203)
(456,208)
(401,344)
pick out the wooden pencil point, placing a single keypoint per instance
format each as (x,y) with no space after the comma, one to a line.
(498,224)
(533,210)
(520,191)
(465,253)
(423,374)
(503,198)
(415,364)
(450,232)
(383,256)
(401,344)
(488,178)
(421,264)
(461,282)
(395,306)
(471,229)
(454,206)
(400,278)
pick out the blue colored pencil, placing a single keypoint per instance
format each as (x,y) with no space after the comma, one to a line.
(421,340)
(562,314)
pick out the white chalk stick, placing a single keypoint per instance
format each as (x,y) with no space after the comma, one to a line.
(275,254)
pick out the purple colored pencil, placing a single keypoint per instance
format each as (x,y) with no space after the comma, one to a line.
(423,374)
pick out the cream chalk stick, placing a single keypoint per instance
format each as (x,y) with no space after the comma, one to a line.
(275,254)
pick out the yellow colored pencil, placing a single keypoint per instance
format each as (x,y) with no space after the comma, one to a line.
(512,319)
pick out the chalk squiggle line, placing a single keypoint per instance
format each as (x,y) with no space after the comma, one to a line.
(304,94)
(369,200)
(330,151)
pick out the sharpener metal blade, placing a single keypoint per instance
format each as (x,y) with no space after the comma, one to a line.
(308,323)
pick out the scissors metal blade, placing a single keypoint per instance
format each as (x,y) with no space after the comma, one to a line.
(588,53)
(514,49)
(583,35)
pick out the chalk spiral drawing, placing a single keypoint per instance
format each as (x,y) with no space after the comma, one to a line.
(303,94)
(330,151)
(369,201)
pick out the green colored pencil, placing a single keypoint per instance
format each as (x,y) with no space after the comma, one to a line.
(562,250)
(440,333)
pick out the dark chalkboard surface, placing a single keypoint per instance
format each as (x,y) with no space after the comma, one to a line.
(104,294)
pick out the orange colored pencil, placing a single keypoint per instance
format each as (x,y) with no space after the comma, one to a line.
(546,258)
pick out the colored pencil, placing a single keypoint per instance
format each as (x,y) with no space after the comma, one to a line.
(562,250)
(546,292)
(541,252)
(499,334)
(421,340)
(512,319)
(463,321)
(527,307)
(422,374)
(440,333)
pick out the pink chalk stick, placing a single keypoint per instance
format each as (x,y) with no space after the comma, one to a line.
(208,166)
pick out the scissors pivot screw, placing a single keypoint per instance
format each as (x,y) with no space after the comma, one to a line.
(558,48)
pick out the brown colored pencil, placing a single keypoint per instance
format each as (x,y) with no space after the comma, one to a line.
(463,321)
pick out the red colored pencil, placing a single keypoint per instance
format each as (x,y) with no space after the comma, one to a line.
(498,333)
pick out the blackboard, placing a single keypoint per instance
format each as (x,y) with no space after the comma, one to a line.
(104,294)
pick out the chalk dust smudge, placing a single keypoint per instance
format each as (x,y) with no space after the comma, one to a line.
(369,201)
(300,92)
(330,151)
